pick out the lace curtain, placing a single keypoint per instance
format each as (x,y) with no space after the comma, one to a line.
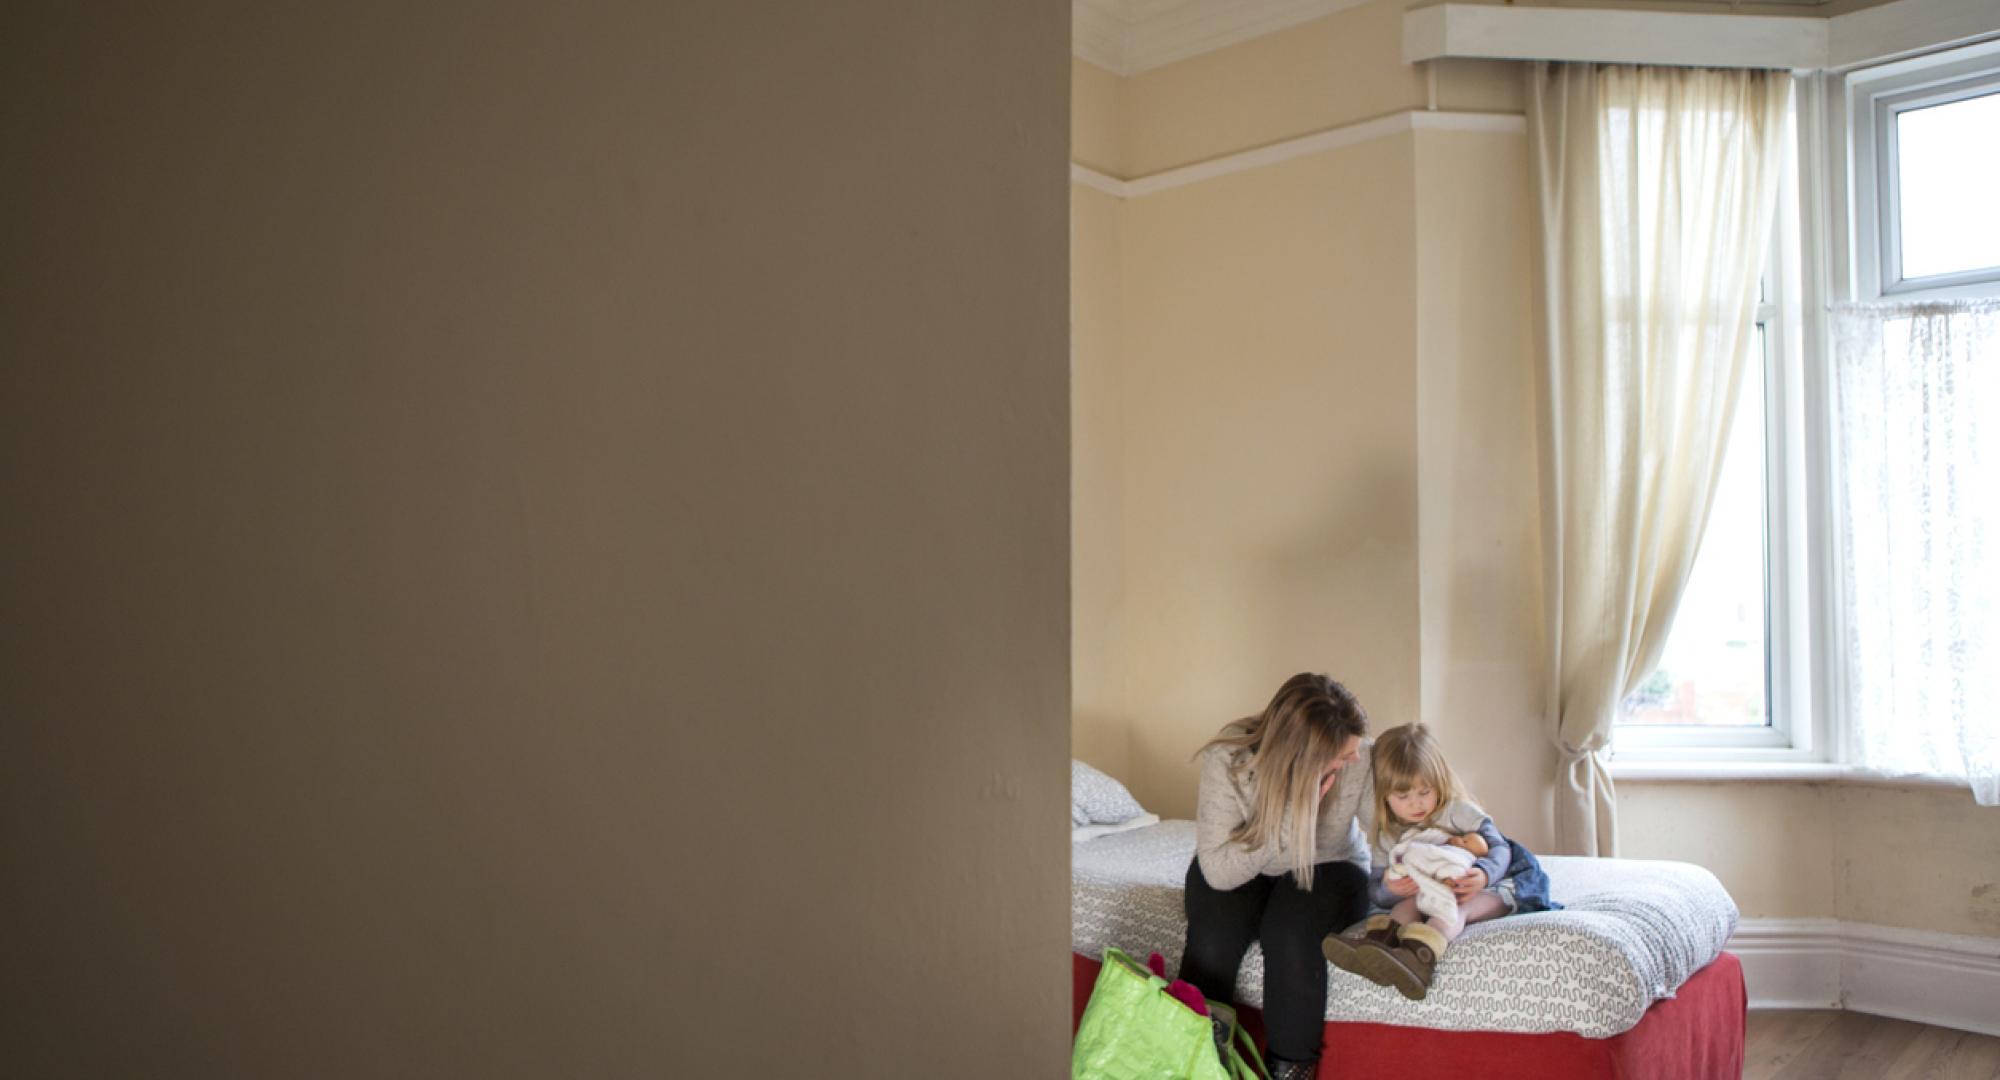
(1918,415)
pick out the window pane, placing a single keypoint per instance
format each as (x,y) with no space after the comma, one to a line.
(1712,671)
(1946,159)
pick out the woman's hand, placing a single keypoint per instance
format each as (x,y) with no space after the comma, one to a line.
(1400,886)
(1469,883)
(1326,783)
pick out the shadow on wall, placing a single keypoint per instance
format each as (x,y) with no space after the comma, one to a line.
(1103,740)
(1341,596)
(1331,588)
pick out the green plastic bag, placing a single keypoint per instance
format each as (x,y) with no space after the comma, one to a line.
(1133,1029)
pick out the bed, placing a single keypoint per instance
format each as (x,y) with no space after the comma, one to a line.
(1629,980)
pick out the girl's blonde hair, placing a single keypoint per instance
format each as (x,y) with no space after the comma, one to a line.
(1406,758)
(1288,747)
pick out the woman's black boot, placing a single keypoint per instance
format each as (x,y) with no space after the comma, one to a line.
(1291,1070)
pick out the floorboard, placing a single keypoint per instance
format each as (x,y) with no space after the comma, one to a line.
(1832,1044)
(1775,1037)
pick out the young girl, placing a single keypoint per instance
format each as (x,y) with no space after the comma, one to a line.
(1280,857)
(1420,807)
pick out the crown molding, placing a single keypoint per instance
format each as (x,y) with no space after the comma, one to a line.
(1127,37)
(1805,42)
(1603,36)
(1331,139)
(1091,178)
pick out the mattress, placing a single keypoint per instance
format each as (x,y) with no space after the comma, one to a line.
(1632,931)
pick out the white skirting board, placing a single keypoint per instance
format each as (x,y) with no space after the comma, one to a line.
(1950,980)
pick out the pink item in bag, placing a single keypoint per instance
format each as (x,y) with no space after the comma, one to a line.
(1189,996)
(1182,990)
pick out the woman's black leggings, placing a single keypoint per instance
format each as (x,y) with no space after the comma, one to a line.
(1290,923)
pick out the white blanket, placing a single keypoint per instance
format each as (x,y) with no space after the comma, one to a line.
(1427,858)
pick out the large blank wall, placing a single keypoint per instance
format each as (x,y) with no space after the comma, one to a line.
(1268,411)
(535,541)
(1292,441)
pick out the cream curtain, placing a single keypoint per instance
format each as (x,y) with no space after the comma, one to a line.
(1657,187)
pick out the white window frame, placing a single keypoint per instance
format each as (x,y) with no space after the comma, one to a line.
(1793,736)
(1874,96)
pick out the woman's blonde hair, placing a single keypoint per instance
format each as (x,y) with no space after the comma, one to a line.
(1406,758)
(1288,747)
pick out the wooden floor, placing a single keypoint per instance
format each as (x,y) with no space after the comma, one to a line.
(1820,1044)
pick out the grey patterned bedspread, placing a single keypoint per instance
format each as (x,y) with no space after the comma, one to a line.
(1631,932)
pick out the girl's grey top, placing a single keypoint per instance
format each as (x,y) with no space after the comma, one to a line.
(1345,816)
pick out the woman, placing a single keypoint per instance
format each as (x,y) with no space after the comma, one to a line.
(1280,857)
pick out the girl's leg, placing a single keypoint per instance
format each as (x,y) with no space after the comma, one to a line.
(1478,907)
(1221,926)
(1294,967)
(1405,912)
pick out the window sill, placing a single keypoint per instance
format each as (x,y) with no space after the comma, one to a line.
(1803,772)
(1727,770)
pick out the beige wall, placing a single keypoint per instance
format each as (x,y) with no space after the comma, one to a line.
(1318,75)
(1399,552)
(1098,131)
(1097,405)
(1277,366)
(1922,858)
(1314,76)
(1268,453)
(1097,481)
(1479,538)
(535,541)
(1772,845)
(1255,418)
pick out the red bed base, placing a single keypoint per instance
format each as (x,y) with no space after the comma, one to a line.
(1695,1035)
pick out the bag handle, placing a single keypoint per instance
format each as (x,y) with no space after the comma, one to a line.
(1241,1066)
(1114,954)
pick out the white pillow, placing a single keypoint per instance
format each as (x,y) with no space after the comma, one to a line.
(1092,832)
(1097,799)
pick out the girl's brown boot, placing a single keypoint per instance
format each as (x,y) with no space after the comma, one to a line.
(1410,965)
(1343,950)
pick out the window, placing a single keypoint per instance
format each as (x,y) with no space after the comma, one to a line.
(1912,510)
(1892,213)
(1924,158)
(1945,161)
(1727,685)
(1712,672)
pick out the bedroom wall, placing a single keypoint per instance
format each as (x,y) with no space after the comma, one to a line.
(1925,858)
(1299,81)
(1097,407)
(535,541)
(1773,845)
(1916,857)
(1270,508)
(1479,579)
(1098,127)
(1299,342)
